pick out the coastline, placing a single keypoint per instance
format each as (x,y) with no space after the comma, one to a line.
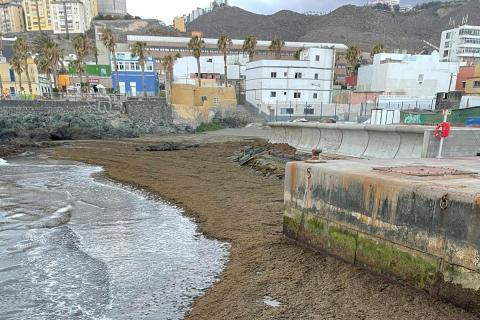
(232,203)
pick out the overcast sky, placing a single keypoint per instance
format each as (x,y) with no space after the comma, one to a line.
(166,10)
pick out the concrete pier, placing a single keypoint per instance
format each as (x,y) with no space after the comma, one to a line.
(414,220)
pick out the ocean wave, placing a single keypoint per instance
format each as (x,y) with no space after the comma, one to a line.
(59,218)
(3,162)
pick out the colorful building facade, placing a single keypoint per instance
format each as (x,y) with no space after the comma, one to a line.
(11,16)
(130,75)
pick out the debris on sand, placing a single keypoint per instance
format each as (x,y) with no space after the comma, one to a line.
(168,146)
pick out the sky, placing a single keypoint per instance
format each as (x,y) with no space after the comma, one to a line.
(166,10)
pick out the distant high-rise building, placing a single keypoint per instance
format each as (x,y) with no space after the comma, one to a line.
(112,7)
(78,16)
(179,24)
(41,20)
(11,16)
(460,44)
(391,3)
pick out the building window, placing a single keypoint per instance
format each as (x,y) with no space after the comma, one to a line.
(216,101)
(285,74)
(445,53)
(273,75)
(308,111)
(286,110)
(420,78)
(317,58)
(12,75)
(315,95)
(210,60)
(316,76)
(464,83)
(285,93)
(296,95)
(273,94)
(448,35)
(298,75)
(204,98)
(476,84)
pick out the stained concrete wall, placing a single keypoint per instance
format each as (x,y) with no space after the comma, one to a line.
(375,141)
(185,94)
(423,230)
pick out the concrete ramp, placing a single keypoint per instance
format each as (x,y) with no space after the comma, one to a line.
(376,141)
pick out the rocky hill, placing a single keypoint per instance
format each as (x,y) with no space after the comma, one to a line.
(348,24)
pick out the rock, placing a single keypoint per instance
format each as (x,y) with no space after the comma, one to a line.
(168,146)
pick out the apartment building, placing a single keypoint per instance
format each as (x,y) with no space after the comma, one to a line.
(112,7)
(77,15)
(38,15)
(408,75)
(11,16)
(460,44)
(277,84)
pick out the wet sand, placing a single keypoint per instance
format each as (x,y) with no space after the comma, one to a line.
(234,204)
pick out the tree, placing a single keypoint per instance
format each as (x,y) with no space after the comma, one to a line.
(48,56)
(17,65)
(108,39)
(21,49)
(276,47)
(196,45)
(168,62)
(353,57)
(224,43)
(138,50)
(249,46)
(81,45)
(79,68)
(377,48)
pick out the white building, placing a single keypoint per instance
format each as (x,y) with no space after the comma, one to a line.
(408,75)
(112,7)
(212,67)
(391,3)
(78,13)
(273,86)
(460,44)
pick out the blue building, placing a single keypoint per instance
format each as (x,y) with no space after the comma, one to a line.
(130,75)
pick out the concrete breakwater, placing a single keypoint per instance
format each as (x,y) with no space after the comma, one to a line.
(66,120)
(416,222)
(375,141)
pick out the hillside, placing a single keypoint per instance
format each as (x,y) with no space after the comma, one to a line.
(348,24)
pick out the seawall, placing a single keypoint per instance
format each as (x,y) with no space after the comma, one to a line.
(417,224)
(65,120)
(375,141)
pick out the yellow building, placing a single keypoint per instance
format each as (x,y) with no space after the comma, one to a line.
(472,85)
(179,24)
(94,9)
(32,18)
(190,95)
(10,80)
(11,17)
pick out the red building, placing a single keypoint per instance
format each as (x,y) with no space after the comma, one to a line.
(464,73)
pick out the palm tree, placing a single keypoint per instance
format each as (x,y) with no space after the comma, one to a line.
(49,56)
(377,48)
(17,65)
(249,46)
(81,45)
(138,50)
(196,44)
(79,67)
(168,62)
(276,47)
(108,39)
(353,57)
(224,43)
(21,49)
